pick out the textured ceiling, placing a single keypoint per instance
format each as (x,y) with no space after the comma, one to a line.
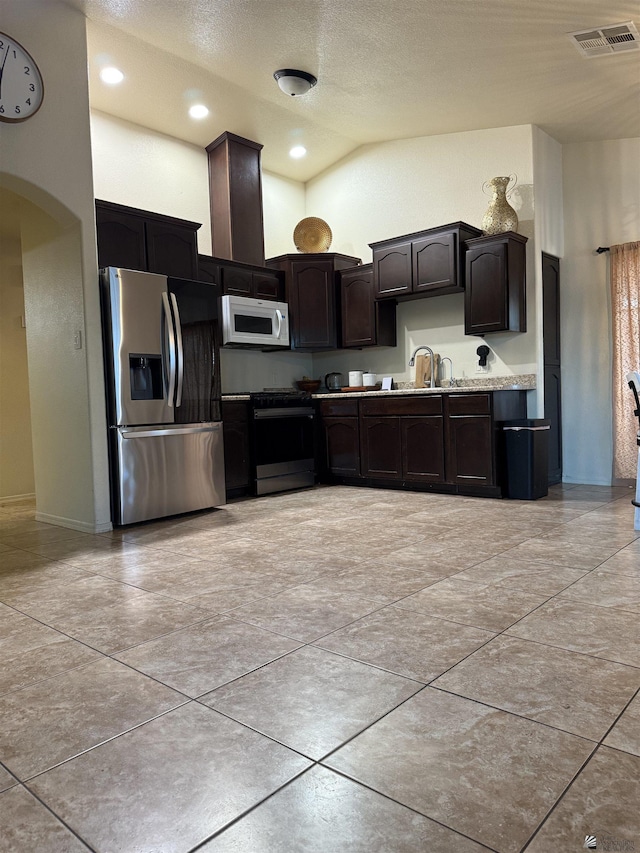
(386,69)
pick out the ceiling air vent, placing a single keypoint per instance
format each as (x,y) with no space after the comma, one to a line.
(603,41)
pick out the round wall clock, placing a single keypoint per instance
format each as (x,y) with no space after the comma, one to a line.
(21,86)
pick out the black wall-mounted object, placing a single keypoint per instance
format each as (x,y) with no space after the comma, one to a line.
(483,351)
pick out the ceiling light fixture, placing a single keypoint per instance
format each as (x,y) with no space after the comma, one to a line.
(198,111)
(111,75)
(294,82)
(297,151)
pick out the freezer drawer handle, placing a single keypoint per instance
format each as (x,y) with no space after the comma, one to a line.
(526,428)
(150,433)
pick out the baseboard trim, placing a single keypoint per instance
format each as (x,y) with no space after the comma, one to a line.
(16,499)
(73,523)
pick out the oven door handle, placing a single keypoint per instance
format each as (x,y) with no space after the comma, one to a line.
(294,412)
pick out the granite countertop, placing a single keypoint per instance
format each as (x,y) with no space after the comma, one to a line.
(522,382)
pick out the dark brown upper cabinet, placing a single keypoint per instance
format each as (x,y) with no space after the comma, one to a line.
(427,263)
(141,240)
(495,296)
(235,192)
(312,288)
(365,322)
(242,279)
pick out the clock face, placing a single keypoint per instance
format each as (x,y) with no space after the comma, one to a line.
(21,87)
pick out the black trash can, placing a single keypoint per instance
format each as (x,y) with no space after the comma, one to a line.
(526,447)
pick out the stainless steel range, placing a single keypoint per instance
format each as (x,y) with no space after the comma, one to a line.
(283,441)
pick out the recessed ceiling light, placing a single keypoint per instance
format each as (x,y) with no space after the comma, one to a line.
(297,151)
(198,111)
(111,75)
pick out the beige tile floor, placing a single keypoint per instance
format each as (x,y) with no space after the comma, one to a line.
(337,670)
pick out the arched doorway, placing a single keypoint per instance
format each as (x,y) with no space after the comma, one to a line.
(65,394)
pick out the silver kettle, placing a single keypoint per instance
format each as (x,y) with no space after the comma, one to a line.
(333,381)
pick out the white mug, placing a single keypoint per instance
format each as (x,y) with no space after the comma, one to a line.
(355,378)
(369,379)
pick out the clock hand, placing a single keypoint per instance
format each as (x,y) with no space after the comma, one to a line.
(2,67)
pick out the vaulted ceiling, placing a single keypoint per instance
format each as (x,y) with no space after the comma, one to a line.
(386,69)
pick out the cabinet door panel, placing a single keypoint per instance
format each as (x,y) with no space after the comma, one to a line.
(121,240)
(381,452)
(208,269)
(423,449)
(171,249)
(486,291)
(268,286)
(235,425)
(358,310)
(471,458)
(434,262)
(553,411)
(236,281)
(392,270)
(342,446)
(313,298)
(551,309)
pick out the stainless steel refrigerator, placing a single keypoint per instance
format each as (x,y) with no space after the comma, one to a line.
(161,338)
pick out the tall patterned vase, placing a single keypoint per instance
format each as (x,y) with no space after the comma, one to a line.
(500,216)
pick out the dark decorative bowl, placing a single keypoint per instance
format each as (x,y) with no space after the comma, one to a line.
(309,385)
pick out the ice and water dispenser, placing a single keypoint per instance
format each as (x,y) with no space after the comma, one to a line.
(145,374)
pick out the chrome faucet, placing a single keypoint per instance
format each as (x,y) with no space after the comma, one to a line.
(451,379)
(412,361)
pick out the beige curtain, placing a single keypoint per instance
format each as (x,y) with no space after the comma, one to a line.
(625,309)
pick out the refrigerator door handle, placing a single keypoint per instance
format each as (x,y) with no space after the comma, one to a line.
(152,433)
(179,350)
(170,382)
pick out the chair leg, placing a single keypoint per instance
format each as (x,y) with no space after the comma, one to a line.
(636,503)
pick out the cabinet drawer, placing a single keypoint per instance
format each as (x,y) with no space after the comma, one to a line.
(416,406)
(339,408)
(470,404)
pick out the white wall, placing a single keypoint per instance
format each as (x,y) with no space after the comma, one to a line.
(141,168)
(395,188)
(47,161)
(16,453)
(601,185)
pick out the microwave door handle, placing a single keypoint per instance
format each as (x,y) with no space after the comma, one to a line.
(170,356)
(280,318)
(179,350)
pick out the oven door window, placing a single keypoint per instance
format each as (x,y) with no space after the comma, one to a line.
(283,439)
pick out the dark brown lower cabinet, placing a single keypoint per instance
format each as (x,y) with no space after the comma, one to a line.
(471,457)
(380,446)
(446,442)
(342,446)
(235,428)
(423,449)
(471,451)
(340,443)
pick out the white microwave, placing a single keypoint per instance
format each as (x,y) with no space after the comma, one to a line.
(255,323)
